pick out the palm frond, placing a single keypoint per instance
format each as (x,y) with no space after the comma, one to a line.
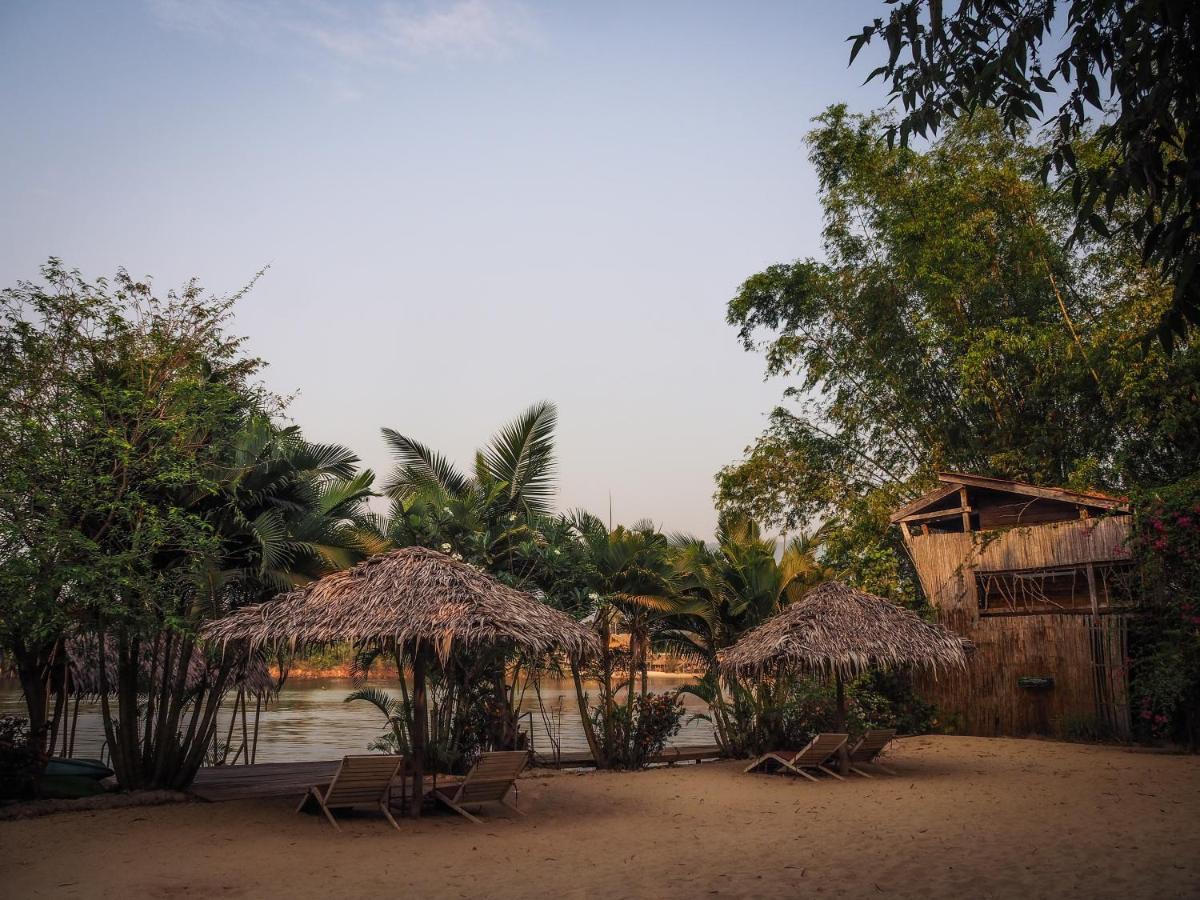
(420,467)
(521,454)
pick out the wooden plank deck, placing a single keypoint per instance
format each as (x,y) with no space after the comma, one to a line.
(670,756)
(291,779)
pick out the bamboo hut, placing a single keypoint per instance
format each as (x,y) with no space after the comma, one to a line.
(838,631)
(1037,580)
(416,600)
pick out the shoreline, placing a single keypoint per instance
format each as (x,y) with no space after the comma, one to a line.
(307,673)
(994,817)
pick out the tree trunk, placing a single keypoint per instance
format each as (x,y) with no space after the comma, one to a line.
(839,722)
(585,719)
(418,733)
(606,671)
(33,671)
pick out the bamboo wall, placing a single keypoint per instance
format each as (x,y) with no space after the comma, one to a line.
(1084,654)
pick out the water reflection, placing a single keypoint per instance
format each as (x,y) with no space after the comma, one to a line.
(310,720)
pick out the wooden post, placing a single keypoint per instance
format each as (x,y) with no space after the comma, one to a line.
(966,516)
(418,735)
(257,714)
(245,733)
(840,721)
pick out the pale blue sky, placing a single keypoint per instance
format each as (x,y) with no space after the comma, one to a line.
(467,205)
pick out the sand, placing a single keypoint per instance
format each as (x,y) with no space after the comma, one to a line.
(966,817)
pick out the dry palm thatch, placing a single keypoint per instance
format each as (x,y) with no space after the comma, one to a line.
(404,598)
(83,669)
(838,630)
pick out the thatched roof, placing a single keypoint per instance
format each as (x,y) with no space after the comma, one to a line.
(399,598)
(835,628)
(83,663)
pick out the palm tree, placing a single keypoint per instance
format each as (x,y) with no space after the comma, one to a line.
(740,583)
(282,511)
(289,511)
(488,516)
(635,592)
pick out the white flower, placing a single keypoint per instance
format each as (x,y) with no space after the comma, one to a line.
(448,510)
(594,597)
(457,556)
(446,548)
(512,517)
(557,552)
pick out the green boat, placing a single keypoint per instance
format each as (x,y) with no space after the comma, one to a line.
(77,768)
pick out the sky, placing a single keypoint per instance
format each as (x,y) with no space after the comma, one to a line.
(466,206)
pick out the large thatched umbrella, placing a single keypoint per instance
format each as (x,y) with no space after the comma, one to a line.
(414,599)
(840,631)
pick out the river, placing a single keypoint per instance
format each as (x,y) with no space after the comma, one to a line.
(309,719)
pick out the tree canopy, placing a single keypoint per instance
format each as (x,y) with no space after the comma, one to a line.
(950,326)
(1129,64)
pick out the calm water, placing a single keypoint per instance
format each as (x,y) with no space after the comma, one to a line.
(309,719)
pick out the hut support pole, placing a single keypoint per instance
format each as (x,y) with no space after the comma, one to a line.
(840,721)
(418,735)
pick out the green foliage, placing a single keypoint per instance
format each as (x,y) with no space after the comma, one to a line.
(1165,634)
(642,729)
(458,724)
(148,492)
(20,759)
(788,712)
(990,53)
(949,327)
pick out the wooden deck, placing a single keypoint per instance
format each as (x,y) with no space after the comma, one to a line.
(269,780)
(670,756)
(262,780)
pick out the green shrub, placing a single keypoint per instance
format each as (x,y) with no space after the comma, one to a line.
(19,759)
(641,732)
(1165,632)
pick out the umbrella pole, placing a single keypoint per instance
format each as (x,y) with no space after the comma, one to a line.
(840,723)
(418,735)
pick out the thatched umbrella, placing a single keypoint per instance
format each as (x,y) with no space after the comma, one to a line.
(416,599)
(840,631)
(82,682)
(83,670)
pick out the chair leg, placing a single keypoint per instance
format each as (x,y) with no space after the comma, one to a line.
(800,772)
(512,806)
(328,814)
(860,772)
(884,768)
(383,806)
(304,800)
(828,771)
(458,809)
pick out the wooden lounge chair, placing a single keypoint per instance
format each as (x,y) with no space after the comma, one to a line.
(489,781)
(814,756)
(868,749)
(360,781)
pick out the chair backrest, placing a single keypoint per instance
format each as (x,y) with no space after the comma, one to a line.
(362,779)
(820,749)
(492,776)
(871,744)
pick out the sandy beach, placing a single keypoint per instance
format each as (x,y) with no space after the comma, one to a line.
(965,817)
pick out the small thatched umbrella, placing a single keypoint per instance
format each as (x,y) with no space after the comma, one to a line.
(840,631)
(413,598)
(83,682)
